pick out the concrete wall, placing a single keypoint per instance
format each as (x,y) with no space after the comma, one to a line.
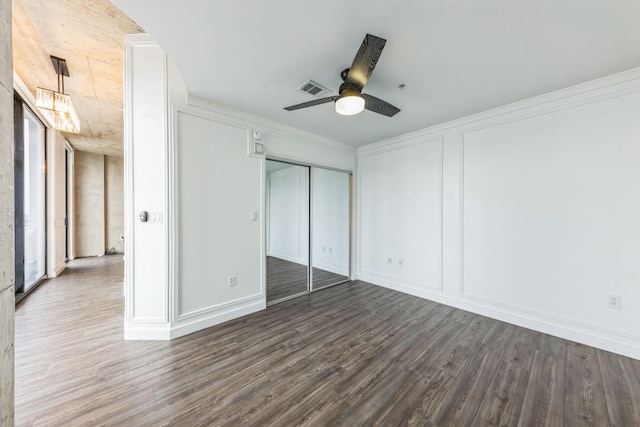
(114,203)
(7,301)
(99,213)
(89,212)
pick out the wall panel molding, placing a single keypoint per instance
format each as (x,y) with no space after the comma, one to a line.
(606,94)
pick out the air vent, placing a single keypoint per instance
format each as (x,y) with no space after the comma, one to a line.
(313,88)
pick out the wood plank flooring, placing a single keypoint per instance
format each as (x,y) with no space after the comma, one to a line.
(286,278)
(351,355)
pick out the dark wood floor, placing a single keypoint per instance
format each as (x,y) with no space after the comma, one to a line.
(286,278)
(354,354)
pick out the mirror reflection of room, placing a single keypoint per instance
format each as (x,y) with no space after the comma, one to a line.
(330,201)
(287,223)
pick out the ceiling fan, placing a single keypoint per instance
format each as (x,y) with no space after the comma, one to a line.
(350,99)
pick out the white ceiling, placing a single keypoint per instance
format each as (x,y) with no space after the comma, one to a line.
(455,57)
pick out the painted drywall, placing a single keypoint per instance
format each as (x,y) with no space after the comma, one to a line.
(330,207)
(288,214)
(189,159)
(539,204)
(89,204)
(7,259)
(56,203)
(114,203)
(400,226)
(146,262)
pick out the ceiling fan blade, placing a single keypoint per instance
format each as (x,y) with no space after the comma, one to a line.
(365,60)
(379,106)
(311,103)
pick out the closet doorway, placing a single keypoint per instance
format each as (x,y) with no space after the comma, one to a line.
(308,229)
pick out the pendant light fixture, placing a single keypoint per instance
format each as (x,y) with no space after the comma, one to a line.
(57,106)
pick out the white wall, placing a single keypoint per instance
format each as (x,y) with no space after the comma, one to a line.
(288,215)
(331,208)
(188,158)
(56,203)
(401,220)
(527,213)
(146,176)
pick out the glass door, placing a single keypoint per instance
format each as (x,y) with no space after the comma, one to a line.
(331,219)
(287,230)
(33,199)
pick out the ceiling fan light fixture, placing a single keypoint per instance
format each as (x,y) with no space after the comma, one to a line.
(350,105)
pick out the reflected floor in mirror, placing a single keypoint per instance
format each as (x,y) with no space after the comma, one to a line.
(286,278)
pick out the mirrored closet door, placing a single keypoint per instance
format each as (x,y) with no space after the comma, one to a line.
(307,215)
(287,230)
(330,216)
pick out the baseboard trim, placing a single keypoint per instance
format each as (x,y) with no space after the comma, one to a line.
(332,268)
(285,257)
(147,332)
(206,320)
(60,268)
(555,327)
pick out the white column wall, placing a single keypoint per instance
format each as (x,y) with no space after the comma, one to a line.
(527,213)
(195,168)
(146,243)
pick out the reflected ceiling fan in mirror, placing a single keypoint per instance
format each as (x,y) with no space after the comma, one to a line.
(350,99)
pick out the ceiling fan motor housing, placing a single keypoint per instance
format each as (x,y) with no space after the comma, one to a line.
(349,89)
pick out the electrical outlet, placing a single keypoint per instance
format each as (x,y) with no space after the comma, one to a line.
(400,262)
(614,301)
(232,281)
(389,261)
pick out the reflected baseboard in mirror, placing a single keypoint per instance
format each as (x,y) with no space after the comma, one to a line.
(286,278)
(324,278)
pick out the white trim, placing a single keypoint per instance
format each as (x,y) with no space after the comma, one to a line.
(275,128)
(596,337)
(584,93)
(210,111)
(288,257)
(136,41)
(129,224)
(600,90)
(218,307)
(332,267)
(59,269)
(402,144)
(215,317)
(147,332)
(172,217)
(523,116)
